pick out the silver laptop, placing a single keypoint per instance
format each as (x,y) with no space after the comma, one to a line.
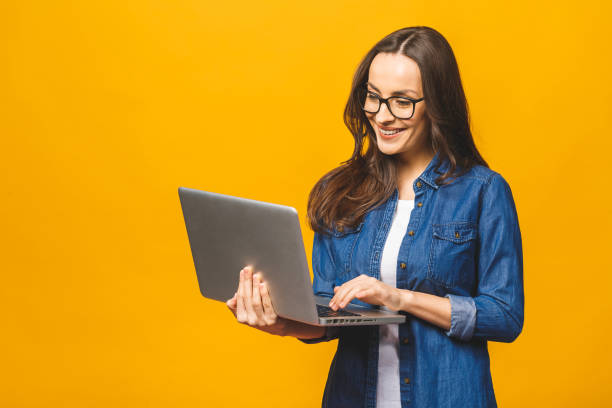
(227,233)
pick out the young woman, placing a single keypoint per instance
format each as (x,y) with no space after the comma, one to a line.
(414,222)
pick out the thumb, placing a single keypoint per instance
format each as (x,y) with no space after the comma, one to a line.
(231,303)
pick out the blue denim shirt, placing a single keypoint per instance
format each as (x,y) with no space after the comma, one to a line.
(465,245)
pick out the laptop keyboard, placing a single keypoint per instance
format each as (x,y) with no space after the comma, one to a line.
(326,311)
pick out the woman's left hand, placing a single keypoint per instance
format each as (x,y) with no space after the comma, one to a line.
(369,290)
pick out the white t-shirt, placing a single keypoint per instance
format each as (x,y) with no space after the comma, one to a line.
(388,387)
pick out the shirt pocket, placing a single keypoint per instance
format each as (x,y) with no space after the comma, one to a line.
(452,257)
(343,246)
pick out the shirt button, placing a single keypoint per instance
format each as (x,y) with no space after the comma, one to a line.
(403,265)
(419,204)
(457,234)
(419,184)
(405,340)
(406,380)
(411,232)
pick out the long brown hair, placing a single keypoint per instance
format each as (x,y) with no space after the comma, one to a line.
(345,194)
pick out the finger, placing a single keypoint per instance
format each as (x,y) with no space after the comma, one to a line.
(231,302)
(256,301)
(341,291)
(336,289)
(374,294)
(247,288)
(241,313)
(364,293)
(349,295)
(332,302)
(269,312)
(335,302)
(359,283)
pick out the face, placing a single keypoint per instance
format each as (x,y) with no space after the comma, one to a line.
(397,75)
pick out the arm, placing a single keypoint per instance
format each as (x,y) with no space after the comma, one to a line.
(496,312)
(434,309)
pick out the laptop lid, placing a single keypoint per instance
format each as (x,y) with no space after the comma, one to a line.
(227,233)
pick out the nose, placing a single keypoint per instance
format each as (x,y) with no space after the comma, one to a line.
(383,115)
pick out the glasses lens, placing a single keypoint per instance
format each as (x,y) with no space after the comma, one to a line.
(371,102)
(402,108)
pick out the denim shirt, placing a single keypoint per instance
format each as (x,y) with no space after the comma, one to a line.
(463,242)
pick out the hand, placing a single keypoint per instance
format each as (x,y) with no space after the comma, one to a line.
(252,305)
(369,290)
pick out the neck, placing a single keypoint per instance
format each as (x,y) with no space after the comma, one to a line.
(412,164)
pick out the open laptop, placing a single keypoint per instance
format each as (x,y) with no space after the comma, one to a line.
(227,233)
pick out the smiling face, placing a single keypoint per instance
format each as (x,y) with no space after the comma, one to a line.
(397,75)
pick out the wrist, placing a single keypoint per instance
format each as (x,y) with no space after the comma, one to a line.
(301,330)
(406,300)
(283,327)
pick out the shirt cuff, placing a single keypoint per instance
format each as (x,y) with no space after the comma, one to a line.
(331,333)
(463,317)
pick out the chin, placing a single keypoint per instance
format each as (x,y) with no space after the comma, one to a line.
(390,148)
(389,151)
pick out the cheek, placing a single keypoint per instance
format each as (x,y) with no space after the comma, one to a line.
(419,114)
(416,121)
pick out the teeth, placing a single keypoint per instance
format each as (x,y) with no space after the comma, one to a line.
(392,132)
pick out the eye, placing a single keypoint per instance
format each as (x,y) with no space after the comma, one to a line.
(402,102)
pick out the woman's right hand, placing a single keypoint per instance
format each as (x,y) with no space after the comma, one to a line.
(251,305)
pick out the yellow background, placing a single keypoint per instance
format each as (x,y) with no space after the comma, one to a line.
(107,107)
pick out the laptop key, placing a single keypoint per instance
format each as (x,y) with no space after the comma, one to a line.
(326,311)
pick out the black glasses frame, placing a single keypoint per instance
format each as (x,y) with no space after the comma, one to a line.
(386,102)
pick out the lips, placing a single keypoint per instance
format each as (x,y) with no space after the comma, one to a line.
(390,136)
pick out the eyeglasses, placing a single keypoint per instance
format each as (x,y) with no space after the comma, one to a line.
(402,107)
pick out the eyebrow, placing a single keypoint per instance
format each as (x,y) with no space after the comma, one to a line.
(401,92)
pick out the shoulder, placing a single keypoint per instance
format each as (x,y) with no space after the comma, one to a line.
(482,178)
(494,195)
(478,188)
(481,174)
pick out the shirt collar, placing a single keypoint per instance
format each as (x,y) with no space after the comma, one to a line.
(429,175)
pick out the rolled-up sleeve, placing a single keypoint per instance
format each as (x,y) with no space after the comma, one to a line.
(323,280)
(463,317)
(496,313)
(331,333)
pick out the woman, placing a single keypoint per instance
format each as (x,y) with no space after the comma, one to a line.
(413,222)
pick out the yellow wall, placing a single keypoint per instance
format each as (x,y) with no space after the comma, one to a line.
(107,107)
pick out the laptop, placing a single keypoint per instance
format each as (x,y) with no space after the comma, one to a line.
(227,233)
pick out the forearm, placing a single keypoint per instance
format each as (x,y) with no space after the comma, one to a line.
(431,308)
(302,330)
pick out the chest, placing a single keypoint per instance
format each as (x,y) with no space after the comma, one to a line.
(439,249)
